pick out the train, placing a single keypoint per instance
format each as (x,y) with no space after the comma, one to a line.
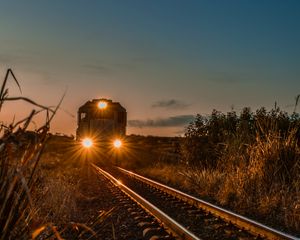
(101,120)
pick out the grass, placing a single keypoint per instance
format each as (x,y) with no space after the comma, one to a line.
(253,170)
(67,192)
(39,180)
(20,153)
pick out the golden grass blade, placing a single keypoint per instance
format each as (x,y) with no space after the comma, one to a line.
(113,231)
(8,194)
(37,232)
(25,187)
(86,228)
(57,235)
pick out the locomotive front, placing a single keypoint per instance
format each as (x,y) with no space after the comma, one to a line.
(101,120)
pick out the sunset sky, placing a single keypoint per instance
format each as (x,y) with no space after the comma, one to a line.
(164,61)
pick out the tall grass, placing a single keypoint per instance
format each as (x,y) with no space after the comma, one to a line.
(267,183)
(39,180)
(17,180)
(255,165)
(20,153)
(249,163)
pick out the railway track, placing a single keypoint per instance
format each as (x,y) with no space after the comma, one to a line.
(183,216)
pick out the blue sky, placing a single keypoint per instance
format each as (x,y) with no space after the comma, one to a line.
(165,61)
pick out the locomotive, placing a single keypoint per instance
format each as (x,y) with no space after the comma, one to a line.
(101,120)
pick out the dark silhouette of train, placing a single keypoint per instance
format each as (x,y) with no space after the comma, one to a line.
(101,120)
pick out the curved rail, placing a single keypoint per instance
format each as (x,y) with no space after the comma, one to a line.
(240,221)
(170,225)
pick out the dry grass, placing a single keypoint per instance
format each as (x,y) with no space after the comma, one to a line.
(257,176)
(169,174)
(20,152)
(62,190)
(54,195)
(39,186)
(268,186)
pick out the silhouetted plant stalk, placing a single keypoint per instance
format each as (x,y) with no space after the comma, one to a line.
(20,152)
(296,103)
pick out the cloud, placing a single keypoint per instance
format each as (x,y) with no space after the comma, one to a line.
(145,60)
(97,68)
(170,104)
(175,121)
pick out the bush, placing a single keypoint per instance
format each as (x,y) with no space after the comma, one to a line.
(250,163)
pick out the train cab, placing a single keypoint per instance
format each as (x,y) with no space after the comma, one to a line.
(101,119)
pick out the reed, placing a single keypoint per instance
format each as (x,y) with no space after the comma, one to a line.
(37,185)
(20,153)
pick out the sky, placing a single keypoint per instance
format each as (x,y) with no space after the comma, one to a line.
(164,61)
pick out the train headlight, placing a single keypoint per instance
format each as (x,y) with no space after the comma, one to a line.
(117,143)
(102,105)
(87,142)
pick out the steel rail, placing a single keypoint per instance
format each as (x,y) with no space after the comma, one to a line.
(252,226)
(170,225)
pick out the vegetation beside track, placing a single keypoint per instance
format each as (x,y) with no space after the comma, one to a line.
(249,163)
(45,190)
